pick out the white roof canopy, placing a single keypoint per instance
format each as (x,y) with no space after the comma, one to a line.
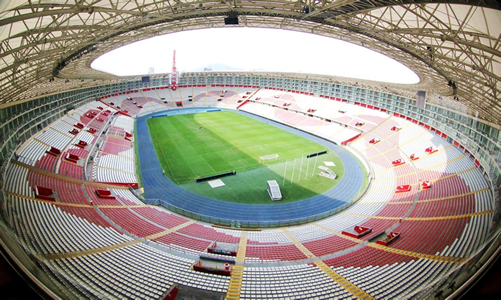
(454,47)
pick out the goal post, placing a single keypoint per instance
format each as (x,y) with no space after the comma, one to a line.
(268,158)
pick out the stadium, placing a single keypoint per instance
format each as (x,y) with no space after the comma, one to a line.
(250,185)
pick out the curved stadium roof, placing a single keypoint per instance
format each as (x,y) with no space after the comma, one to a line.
(454,45)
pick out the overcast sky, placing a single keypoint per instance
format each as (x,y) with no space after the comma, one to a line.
(253,49)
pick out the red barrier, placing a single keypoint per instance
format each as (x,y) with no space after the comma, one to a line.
(403,188)
(104,194)
(72,158)
(74,131)
(390,238)
(351,139)
(357,231)
(243,103)
(199,266)
(125,184)
(430,150)
(53,151)
(398,162)
(44,193)
(124,113)
(171,293)
(426,185)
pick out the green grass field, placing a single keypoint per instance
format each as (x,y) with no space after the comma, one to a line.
(197,145)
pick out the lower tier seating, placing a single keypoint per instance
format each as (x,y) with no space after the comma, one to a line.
(120,248)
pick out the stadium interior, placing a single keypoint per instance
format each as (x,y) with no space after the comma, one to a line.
(88,212)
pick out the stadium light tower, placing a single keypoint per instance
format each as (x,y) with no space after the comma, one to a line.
(174,74)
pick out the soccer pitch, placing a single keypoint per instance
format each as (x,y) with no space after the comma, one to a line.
(191,146)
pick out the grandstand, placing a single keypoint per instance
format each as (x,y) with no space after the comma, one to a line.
(76,223)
